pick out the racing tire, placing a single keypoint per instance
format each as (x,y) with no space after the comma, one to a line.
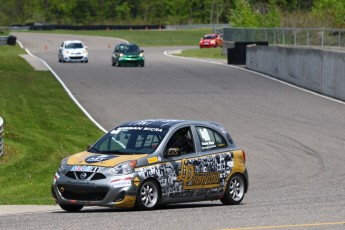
(148,197)
(235,190)
(71,208)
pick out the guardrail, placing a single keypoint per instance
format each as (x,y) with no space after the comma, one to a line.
(326,38)
(3,40)
(1,129)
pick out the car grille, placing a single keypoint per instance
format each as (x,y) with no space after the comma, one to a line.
(76,57)
(96,193)
(85,175)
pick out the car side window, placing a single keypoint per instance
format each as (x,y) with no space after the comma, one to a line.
(210,139)
(183,140)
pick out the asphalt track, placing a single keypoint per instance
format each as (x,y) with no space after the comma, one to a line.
(294,139)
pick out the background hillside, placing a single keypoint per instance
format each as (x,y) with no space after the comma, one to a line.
(239,13)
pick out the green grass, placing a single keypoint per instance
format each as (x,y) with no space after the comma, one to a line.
(41,126)
(147,38)
(213,53)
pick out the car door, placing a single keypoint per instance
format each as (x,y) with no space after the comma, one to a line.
(201,174)
(216,160)
(178,154)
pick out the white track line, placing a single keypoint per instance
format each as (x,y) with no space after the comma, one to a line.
(260,74)
(66,89)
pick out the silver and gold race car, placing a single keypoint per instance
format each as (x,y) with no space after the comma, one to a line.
(143,164)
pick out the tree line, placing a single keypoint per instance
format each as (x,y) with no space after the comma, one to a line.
(237,13)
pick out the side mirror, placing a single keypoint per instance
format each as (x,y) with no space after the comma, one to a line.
(142,51)
(173,152)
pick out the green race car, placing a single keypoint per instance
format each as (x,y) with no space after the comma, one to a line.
(128,54)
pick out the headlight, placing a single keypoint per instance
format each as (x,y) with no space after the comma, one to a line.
(124,168)
(63,164)
(141,55)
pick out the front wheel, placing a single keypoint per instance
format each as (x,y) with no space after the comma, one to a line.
(148,196)
(71,208)
(234,192)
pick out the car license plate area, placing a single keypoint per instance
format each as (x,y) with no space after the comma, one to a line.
(76,57)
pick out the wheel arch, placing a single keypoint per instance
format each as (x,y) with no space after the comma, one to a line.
(244,175)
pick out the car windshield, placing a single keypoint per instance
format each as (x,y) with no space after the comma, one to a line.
(74,46)
(209,36)
(130,140)
(130,49)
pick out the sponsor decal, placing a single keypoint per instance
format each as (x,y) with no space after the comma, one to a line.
(152,160)
(124,182)
(81,183)
(136,181)
(84,168)
(194,180)
(152,129)
(98,158)
(194,177)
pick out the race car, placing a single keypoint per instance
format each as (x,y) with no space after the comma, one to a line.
(73,51)
(127,54)
(147,163)
(211,40)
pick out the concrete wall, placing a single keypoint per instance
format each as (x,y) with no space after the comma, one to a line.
(226,45)
(322,71)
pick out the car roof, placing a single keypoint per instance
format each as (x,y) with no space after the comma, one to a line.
(167,123)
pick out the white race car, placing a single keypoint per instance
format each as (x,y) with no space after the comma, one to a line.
(73,51)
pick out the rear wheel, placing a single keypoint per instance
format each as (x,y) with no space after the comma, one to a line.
(234,192)
(148,196)
(71,208)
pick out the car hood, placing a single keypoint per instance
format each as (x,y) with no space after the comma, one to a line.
(103,160)
(76,50)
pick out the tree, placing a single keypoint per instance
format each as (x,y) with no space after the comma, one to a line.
(242,15)
(332,12)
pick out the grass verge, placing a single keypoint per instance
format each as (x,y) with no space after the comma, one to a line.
(213,53)
(41,126)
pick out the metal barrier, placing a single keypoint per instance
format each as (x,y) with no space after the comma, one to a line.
(3,40)
(326,38)
(1,129)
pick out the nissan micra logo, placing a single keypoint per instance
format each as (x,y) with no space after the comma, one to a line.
(83,175)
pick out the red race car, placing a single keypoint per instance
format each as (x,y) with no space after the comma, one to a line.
(211,40)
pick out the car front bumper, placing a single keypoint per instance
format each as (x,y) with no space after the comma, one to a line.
(75,58)
(118,192)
